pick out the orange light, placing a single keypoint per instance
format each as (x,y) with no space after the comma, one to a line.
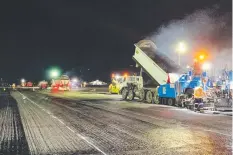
(195,60)
(125,75)
(201,57)
(113,75)
(202,54)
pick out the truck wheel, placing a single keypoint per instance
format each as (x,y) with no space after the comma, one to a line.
(160,100)
(149,97)
(155,98)
(131,95)
(142,95)
(178,102)
(170,102)
(124,93)
(163,101)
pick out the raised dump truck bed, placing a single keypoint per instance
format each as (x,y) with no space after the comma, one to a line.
(164,62)
(155,64)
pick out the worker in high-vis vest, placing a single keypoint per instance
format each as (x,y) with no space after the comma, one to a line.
(199,94)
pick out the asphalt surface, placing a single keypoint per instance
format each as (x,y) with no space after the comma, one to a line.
(12,136)
(35,123)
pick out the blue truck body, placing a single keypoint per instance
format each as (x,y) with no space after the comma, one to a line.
(226,80)
(229,81)
(186,81)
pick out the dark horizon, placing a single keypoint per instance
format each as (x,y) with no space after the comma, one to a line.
(78,34)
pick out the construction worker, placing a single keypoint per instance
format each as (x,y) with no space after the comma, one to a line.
(113,87)
(199,94)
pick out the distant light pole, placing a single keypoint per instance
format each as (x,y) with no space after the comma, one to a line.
(181,48)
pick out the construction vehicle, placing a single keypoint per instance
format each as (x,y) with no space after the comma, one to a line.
(114,87)
(61,84)
(43,84)
(26,84)
(226,82)
(29,84)
(119,82)
(173,88)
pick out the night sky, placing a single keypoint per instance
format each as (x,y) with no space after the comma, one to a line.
(96,35)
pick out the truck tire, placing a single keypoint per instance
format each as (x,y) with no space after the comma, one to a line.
(142,95)
(160,100)
(149,97)
(170,102)
(131,95)
(124,93)
(178,102)
(155,98)
(163,101)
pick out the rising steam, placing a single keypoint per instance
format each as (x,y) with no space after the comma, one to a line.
(204,29)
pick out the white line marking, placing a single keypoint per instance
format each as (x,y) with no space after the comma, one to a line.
(79,135)
(54,117)
(60,121)
(70,129)
(90,143)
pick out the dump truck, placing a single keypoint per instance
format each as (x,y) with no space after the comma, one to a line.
(174,84)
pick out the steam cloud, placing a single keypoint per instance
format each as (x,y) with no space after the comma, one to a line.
(206,29)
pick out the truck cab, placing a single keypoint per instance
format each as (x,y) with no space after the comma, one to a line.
(121,82)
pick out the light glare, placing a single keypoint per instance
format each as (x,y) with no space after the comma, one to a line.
(206,66)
